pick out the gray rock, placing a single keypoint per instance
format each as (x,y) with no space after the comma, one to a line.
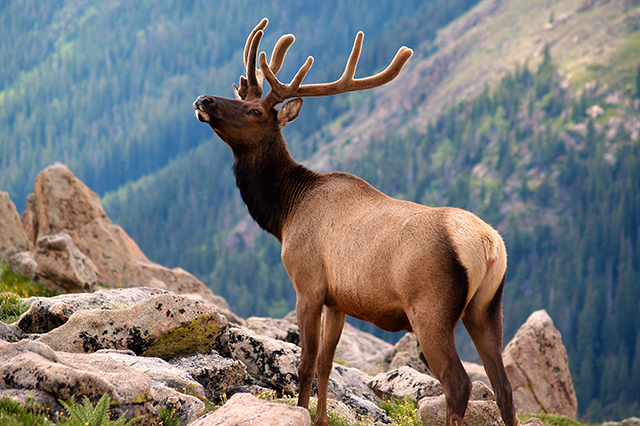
(164,325)
(10,332)
(47,313)
(631,421)
(405,382)
(218,375)
(244,409)
(356,348)
(279,329)
(538,368)
(62,267)
(161,371)
(30,368)
(433,411)
(406,352)
(349,386)
(271,361)
(24,263)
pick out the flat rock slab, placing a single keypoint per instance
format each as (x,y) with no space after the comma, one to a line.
(32,369)
(47,313)
(244,409)
(165,326)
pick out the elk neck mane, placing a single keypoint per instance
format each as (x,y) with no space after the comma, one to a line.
(271,184)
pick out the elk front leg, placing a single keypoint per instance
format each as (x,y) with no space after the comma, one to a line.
(332,323)
(309,315)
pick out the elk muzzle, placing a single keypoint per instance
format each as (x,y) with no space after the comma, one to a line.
(205,107)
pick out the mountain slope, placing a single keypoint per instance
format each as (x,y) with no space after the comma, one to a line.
(523,112)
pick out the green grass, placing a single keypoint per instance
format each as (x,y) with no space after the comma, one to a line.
(20,285)
(553,420)
(14,286)
(11,307)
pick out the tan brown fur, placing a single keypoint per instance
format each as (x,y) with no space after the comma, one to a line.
(349,249)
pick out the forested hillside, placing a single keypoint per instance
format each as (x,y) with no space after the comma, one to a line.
(526,113)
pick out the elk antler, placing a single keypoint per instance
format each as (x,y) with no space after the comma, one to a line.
(251,86)
(279,92)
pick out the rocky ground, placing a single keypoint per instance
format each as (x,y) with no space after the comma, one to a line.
(154,337)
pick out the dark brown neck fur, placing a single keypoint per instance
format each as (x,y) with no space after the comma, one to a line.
(271,184)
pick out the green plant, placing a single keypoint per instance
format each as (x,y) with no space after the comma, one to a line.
(14,414)
(11,307)
(404,411)
(168,416)
(88,415)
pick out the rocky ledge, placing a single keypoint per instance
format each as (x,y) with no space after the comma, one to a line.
(156,338)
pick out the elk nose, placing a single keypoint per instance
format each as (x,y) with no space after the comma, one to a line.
(202,101)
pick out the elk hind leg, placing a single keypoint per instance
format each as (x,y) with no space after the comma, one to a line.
(438,345)
(484,324)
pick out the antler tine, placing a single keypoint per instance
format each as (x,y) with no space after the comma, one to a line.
(279,92)
(255,76)
(347,83)
(260,27)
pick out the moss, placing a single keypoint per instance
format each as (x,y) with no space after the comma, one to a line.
(197,336)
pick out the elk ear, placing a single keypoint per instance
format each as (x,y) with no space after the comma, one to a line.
(289,112)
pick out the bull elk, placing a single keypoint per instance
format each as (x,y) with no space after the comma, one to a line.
(352,249)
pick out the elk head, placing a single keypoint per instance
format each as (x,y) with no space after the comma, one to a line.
(249,120)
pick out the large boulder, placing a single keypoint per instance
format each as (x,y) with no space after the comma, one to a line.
(62,267)
(538,368)
(268,360)
(164,325)
(244,409)
(63,204)
(47,313)
(13,239)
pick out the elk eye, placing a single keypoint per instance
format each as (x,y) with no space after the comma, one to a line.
(256,112)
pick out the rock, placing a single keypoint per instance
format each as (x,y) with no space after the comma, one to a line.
(476,372)
(360,350)
(159,370)
(631,421)
(405,382)
(406,352)
(279,329)
(218,375)
(271,361)
(10,332)
(164,325)
(24,263)
(28,365)
(62,267)
(245,409)
(13,239)
(47,313)
(349,386)
(433,411)
(62,203)
(538,368)
(356,348)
